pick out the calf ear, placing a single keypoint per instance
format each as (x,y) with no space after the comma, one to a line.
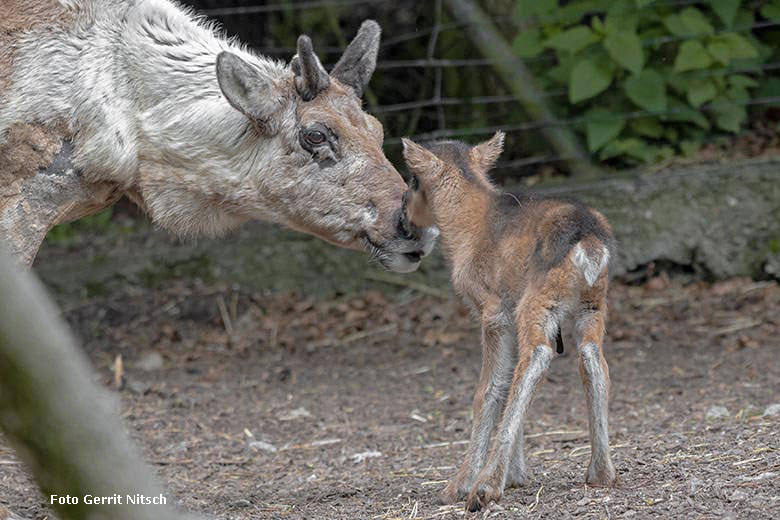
(358,62)
(246,89)
(484,155)
(419,160)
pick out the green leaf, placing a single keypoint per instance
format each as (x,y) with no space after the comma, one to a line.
(626,49)
(573,12)
(729,116)
(675,25)
(690,22)
(572,40)
(678,82)
(598,26)
(527,44)
(720,51)
(647,126)
(679,111)
(691,56)
(742,81)
(689,148)
(701,90)
(643,3)
(527,8)
(620,147)
(738,93)
(771,11)
(726,10)
(770,87)
(696,21)
(739,47)
(561,73)
(588,79)
(631,147)
(745,18)
(601,127)
(621,16)
(647,90)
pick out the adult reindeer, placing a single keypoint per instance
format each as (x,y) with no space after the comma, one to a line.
(104,98)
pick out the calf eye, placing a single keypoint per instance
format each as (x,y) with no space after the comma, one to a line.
(315,137)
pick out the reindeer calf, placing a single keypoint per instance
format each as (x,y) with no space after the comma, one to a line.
(523,263)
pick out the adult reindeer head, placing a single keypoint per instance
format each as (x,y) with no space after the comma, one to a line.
(329,176)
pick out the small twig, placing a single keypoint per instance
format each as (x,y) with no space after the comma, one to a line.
(737,326)
(311,445)
(747,461)
(273,335)
(556,432)
(441,445)
(119,372)
(536,501)
(349,338)
(413,513)
(417,286)
(223,312)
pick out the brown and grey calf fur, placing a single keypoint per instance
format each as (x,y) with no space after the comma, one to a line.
(104,98)
(523,264)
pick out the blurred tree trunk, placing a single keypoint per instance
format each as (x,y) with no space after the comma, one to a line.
(520,83)
(62,425)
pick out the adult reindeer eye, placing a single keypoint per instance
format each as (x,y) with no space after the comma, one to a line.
(315,137)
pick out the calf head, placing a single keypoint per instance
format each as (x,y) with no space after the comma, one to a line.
(443,174)
(331,177)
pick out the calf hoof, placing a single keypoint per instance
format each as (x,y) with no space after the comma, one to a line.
(456,490)
(515,482)
(482,495)
(601,476)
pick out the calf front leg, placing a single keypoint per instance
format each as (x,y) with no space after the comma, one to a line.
(535,355)
(494,380)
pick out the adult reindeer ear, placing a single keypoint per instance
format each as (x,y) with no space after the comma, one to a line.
(358,62)
(310,76)
(484,155)
(246,89)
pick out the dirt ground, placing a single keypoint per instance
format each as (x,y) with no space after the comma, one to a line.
(280,406)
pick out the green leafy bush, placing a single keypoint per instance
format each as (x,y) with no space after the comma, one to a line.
(647,79)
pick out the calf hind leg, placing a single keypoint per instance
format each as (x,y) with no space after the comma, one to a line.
(595,378)
(535,353)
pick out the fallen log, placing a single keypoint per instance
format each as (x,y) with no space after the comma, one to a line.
(719,219)
(716,220)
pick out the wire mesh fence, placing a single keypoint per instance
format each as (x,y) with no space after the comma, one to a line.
(433,83)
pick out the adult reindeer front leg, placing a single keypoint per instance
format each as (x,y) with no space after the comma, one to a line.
(40,188)
(494,380)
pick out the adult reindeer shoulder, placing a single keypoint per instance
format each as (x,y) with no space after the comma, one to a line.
(104,98)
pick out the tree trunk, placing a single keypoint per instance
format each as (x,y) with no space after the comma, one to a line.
(521,84)
(62,425)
